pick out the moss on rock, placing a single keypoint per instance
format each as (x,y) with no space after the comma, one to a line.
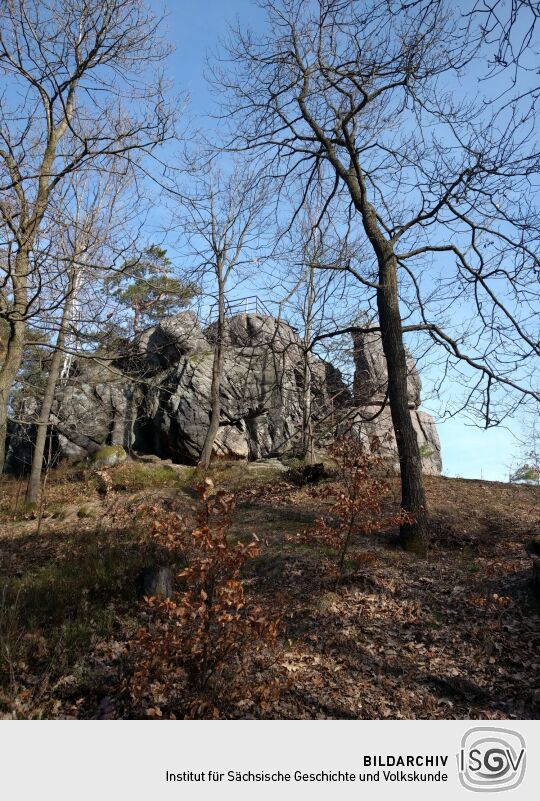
(108,455)
(86,511)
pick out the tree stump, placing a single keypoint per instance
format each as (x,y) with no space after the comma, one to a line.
(536,575)
(155,581)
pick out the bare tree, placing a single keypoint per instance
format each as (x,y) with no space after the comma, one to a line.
(321,296)
(68,65)
(89,214)
(366,100)
(511,29)
(225,231)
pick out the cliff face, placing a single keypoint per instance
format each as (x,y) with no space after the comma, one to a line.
(153,394)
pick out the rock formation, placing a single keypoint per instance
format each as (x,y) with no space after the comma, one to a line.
(152,395)
(372,416)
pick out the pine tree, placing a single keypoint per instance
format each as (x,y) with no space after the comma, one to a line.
(148,289)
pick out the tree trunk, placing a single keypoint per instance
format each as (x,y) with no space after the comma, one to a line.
(26,234)
(217,371)
(307,420)
(34,484)
(413,534)
(307,432)
(15,345)
(136,315)
(8,374)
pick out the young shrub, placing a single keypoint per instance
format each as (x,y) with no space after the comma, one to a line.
(203,647)
(358,497)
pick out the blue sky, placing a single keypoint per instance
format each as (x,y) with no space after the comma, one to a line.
(195,28)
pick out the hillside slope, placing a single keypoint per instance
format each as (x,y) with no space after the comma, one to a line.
(456,635)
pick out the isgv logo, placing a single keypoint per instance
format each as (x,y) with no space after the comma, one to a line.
(491,759)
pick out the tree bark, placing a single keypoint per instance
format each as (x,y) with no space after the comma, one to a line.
(15,345)
(413,534)
(27,232)
(307,417)
(8,374)
(34,483)
(217,371)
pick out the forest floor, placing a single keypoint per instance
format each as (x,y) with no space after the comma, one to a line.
(455,635)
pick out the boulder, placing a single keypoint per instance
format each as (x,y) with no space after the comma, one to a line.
(108,456)
(163,345)
(97,406)
(259,331)
(233,442)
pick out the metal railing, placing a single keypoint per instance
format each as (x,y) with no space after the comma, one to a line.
(249,305)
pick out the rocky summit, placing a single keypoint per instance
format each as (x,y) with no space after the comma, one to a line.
(151,395)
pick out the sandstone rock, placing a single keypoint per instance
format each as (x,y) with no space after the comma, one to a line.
(258,331)
(155,397)
(162,346)
(232,442)
(371,380)
(369,421)
(267,465)
(338,392)
(430,444)
(96,407)
(259,399)
(70,451)
(108,456)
